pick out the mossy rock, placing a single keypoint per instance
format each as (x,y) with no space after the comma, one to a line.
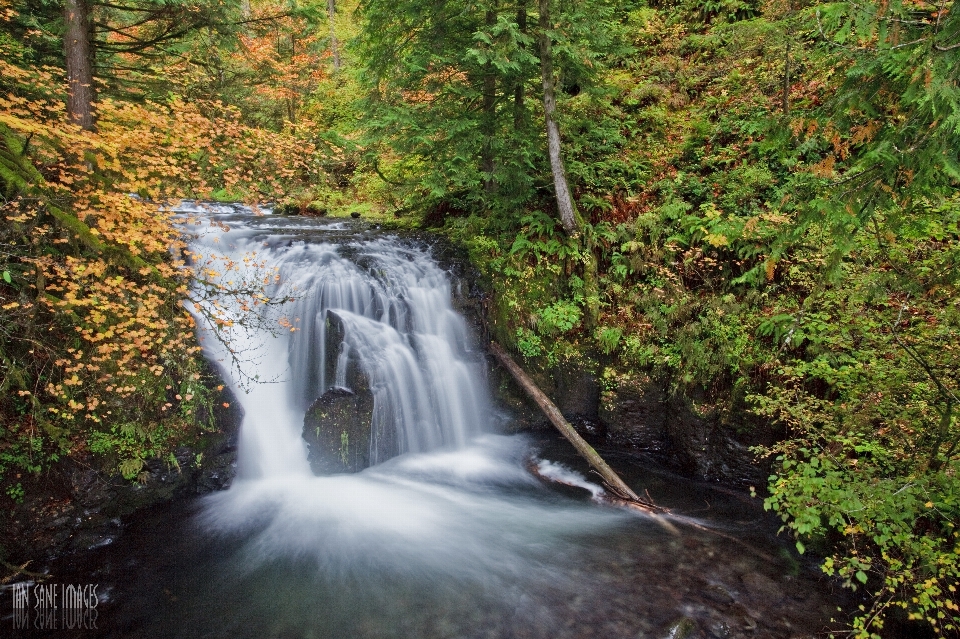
(286,208)
(337,431)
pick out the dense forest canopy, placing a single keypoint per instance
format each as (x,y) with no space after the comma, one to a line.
(755,203)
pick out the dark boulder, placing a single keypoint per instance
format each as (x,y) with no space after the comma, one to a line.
(339,427)
(337,431)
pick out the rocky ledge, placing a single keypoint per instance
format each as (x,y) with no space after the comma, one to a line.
(75,506)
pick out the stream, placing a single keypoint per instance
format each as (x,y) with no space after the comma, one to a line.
(447,534)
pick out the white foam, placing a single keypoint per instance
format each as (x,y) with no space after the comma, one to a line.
(560,473)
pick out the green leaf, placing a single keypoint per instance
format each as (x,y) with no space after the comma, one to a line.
(861,576)
(6,277)
(801,548)
(130,468)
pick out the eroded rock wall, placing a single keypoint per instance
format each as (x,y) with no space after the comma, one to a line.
(75,505)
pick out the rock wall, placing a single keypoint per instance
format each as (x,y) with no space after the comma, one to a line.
(685,432)
(76,506)
(639,414)
(636,414)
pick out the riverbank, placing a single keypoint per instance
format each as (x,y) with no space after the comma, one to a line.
(80,502)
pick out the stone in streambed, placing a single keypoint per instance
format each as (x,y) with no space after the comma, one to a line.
(762,588)
(337,431)
(717,593)
(684,628)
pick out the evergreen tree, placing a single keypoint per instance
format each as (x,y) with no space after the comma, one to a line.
(449,86)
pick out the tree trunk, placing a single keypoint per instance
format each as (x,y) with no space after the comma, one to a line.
(786,79)
(518,107)
(334,47)
(550,409)
(79,62)
(487,161)
(610,478)
(568,215)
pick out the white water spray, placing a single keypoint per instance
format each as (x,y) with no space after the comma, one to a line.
(392,305)
(456,501)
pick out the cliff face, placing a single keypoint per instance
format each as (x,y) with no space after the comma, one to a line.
(636,412)
(75,506)
(639,414)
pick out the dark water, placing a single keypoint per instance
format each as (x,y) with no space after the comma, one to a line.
(453,538)
(584,570)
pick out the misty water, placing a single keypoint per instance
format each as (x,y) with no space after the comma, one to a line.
(453,536)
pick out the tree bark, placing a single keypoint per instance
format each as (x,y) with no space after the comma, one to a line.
(568,215)
(623,494)
(78,54)
(518,106)
(611,478)
(488,161)
(334,46)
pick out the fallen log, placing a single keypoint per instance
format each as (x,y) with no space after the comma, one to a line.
(623,494)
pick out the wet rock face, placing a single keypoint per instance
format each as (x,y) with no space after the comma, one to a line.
(577,393)
(636,414)
(337,429)
(689,435)
(76,506)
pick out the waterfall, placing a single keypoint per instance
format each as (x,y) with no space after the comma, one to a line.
(452,536)
(381,306)
(394,306)
(453,499)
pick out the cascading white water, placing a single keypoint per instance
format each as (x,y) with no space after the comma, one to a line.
(432,506)
(393,304)
(399,326)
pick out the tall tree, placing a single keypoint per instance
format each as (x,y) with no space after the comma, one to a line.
(448,82)
(334,46)
(126,45)
(433,72)
(568,215)
(78,57)
(518,83)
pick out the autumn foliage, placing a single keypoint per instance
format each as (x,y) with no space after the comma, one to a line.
(98,350)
